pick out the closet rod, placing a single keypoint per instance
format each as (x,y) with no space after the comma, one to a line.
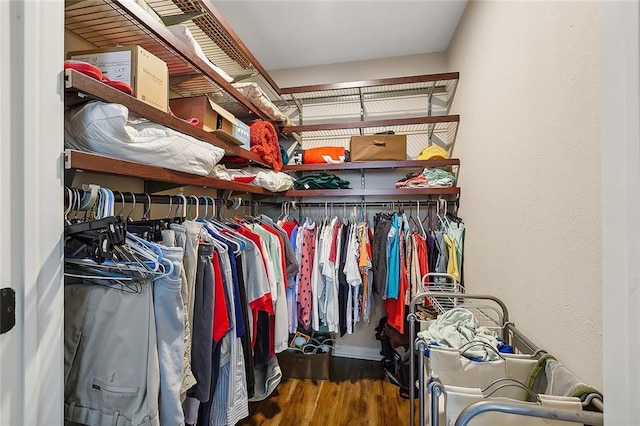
(143,199)
(425,203)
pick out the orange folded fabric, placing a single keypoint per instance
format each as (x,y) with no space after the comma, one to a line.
(323,154)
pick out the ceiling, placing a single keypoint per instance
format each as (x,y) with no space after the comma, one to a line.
(299,33)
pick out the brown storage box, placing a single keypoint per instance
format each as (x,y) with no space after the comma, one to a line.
(147,74)
(296,365)
(212,118)
(378,148)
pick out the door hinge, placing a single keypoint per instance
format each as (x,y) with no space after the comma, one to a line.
(7,309)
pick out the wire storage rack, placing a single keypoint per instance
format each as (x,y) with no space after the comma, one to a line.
(454,390)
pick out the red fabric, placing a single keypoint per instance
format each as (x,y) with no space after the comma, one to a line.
(333,251)
(220,313)
(289,226)
(264,142)
(421,246)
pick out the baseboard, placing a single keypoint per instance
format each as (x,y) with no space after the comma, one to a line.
(358,352)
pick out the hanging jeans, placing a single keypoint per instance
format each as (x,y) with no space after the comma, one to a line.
(110,356)
(169,314)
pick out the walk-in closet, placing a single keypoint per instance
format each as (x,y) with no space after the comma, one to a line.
(319,213)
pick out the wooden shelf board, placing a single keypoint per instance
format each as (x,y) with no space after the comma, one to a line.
(106,165)
(371,192)
(434,119)
(371,165)
(372,83)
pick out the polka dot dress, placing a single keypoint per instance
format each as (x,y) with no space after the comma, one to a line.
(304,286)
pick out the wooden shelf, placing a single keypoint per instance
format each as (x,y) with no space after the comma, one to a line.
(80,85)
(428,95)
(372,165)
(373,123)
(108,23)
(371,192)
(105,165)
(417,79)
(217,39)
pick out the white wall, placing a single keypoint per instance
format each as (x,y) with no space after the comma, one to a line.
(31,181)
(401,66)
(529,145)
(620,108)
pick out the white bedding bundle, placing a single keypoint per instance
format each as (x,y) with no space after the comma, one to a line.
(107,129)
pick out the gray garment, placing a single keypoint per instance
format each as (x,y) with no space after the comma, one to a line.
(191,407)
(169,239)
(291,262)
(379,254)
(111,356)
(191,262)
(188,379)
(202,343)
(168,309)
(268,376)
(443,258)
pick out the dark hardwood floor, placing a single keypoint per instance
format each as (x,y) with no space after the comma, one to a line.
(357,394)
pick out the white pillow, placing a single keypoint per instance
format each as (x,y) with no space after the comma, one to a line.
(254,93)
(106,129)
(183,33)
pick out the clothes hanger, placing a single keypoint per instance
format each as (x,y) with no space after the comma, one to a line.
(133,200)
(183,203)
(418,223)
(122,206)
(113,253)
(150,229)
(69,198)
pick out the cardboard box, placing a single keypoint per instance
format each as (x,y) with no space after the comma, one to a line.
(147,74)
(297,365)
(378,148)
(212,118)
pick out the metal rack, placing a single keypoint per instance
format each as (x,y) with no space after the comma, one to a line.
(417,106)
(108,23)
(491,312)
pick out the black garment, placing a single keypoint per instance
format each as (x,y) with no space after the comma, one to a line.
(204,412)
(343,288)
(261,348)
(201,345)
(382,225)
(432,252)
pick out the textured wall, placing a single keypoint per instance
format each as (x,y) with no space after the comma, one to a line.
(529,146)
(401,66)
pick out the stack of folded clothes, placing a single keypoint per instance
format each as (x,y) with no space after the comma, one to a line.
(428,178)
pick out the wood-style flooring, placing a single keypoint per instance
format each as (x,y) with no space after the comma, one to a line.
(357,394)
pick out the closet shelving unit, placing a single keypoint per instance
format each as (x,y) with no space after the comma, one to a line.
(108,23)
(79,87)
(417,106)
(373,165)
(218,41)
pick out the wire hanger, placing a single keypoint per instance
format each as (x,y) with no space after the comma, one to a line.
(145,215)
